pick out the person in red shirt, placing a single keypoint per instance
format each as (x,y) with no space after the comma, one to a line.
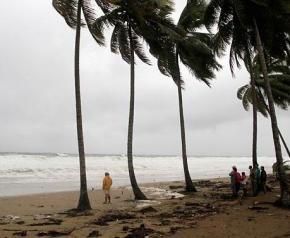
(235,181)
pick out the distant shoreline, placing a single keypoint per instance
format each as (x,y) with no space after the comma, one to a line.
(137,155)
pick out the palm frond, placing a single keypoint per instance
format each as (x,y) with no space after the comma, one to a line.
(241,91)
(90,17)
(212,13)
(191,17)
(102,22)
(222,38)
(247,99)
(138,49)
(124,44)
(68,10)
(241,10)
(104,5)
(199,59)
(115,38)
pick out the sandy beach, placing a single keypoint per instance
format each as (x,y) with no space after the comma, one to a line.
(208,213)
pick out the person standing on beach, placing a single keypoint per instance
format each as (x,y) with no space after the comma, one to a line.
(263,179)
(107,183)
(258,177)
(253,181)
(244,183)
(235,181)
(231,174)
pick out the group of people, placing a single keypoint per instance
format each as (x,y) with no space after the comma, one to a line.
(254,184)
(239,182)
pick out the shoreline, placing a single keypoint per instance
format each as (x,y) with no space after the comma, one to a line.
(117,188)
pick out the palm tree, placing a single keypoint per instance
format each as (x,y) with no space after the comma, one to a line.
(266,22)
(71,11)
(279,74)
(257,25)
(245,95)
(191,48)
(133,21)
(231,32)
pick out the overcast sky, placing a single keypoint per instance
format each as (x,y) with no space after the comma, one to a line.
(37,96)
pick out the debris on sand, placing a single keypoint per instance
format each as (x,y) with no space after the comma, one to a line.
(47,222)
(142,232)
(147,209)
(258,208)
(160,193)
(54,233)
(94,233)
(146,203)
(111,216)
(20,233)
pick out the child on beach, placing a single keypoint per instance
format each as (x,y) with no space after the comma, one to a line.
(107,183)
(244,183)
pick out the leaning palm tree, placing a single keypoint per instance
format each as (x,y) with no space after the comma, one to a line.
(133,21)
(71,11)
(191,48)
(256,19)
(279,74)
(257,24)
(245,95)
(230,32)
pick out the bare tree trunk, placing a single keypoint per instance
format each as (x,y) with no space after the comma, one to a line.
(284,187)
(189,185)
(255,121)
(280,134)
(84,203)
(139,195)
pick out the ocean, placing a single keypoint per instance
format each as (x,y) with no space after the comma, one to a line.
(22,174)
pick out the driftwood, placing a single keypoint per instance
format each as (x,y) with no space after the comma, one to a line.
(54,233)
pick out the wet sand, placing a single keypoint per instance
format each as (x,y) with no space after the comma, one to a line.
(208,213)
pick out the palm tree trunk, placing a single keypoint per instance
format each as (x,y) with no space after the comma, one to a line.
(139,195)
(189,185)
(280,134)
(255,121)
(285,195)
(84,203)
(284,143)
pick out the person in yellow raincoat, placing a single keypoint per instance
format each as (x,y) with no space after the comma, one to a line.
(107,183)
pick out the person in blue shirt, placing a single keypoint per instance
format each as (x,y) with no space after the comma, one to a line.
(258,178)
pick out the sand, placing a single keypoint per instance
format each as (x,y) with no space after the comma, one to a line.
(208,213)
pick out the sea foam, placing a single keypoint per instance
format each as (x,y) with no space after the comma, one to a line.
(39,173)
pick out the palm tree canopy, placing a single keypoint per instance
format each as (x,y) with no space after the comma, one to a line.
(189,46)
(148,19)
(234,21)
(194,49)
(245,94)
(68,10)
(279,74)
